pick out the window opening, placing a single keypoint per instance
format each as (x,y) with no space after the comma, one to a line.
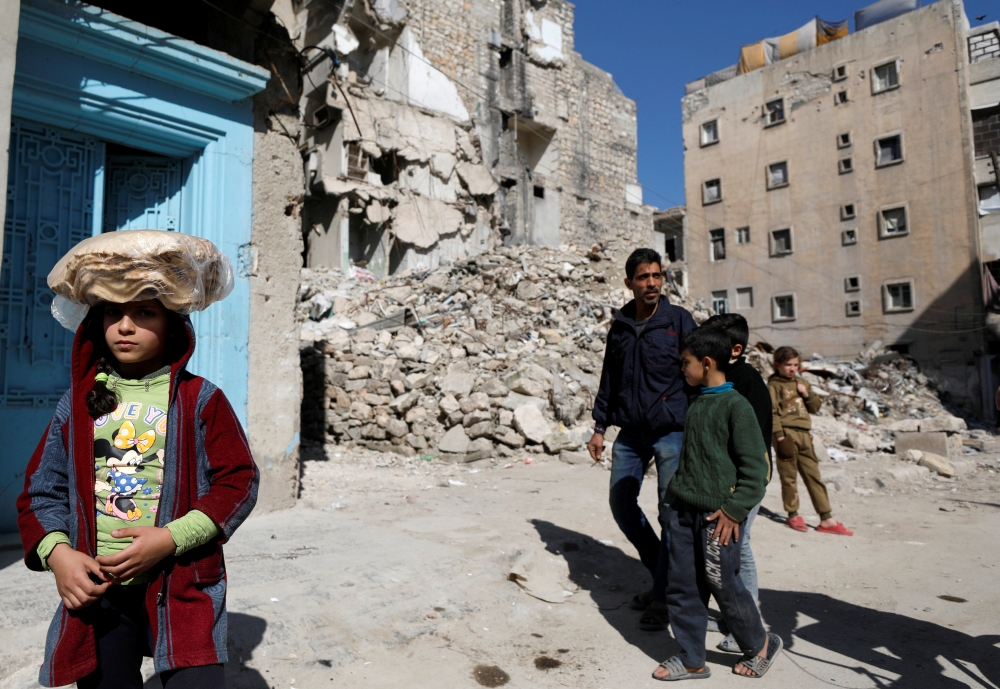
(720,301)
(539,192)
(845,165)
(781,242)
(852,283)
(847,212)
(357,162)
(853,308)
(849,237)
(885,77)
(711,191)
(784,308)
(777,175)
(893,222)
(840,72)
(844,140)
(898,296)
(742,235)
(718,242)
(775,111)
(710,133)
(888,150)
(841,97)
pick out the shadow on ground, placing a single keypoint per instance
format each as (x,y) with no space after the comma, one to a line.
(850,631)
(245,634)
(612,578)
(855,633)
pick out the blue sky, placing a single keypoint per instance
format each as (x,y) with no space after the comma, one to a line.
(653,47)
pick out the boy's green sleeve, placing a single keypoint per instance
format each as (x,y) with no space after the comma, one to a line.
(750,457)
(776,428)
(813,401)
(48,544)
(192,530)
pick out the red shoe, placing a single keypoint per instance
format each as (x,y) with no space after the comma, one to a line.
(838,529)
(797,523)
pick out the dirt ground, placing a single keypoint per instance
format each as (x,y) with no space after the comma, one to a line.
(393,572)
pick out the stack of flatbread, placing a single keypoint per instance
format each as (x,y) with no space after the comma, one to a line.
(185,273)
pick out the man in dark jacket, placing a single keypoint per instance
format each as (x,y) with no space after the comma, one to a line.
(643,392)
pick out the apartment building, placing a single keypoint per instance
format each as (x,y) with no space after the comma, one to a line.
(834,197)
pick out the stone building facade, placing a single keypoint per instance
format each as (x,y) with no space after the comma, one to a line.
(445,128)
(832,197)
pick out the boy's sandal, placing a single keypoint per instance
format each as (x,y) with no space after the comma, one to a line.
(757,665)
(839,529)
(640,601)
(678,671)
(797,523)
(729,645)
(655,618)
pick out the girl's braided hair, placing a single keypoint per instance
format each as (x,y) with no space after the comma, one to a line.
(101,399)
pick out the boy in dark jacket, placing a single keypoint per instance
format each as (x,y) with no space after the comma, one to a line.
(748,382)
(642,392)
(723,472)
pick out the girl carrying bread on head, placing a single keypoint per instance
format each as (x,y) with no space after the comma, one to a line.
(143,473)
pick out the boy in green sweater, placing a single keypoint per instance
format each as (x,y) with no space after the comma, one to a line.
(723,472)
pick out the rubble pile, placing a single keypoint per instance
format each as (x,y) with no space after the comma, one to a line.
(487,357)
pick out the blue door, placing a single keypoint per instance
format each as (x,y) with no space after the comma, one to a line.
(54,188)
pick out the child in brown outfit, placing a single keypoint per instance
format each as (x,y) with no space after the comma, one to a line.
(792,401)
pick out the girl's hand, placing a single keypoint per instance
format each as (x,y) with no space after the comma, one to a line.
(73,572)
(803,390)
(725,528)
(150,544)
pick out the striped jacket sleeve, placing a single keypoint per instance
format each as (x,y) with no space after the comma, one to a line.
(44,505)
(224,453)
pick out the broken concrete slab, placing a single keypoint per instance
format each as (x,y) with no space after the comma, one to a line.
(910,473)
(531,424)
(421,221)
(571,457)
(940,443)
(455,441)
(938,464)
(477,179)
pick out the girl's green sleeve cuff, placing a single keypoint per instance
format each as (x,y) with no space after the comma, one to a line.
(192,530)
(49,544)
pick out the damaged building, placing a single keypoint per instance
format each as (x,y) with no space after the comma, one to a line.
(840,190)
(440,130)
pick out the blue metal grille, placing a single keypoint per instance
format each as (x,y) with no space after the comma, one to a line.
(50,207)
(141,193)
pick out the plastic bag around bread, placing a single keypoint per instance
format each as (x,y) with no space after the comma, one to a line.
(185,273)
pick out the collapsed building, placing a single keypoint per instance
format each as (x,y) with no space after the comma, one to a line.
(441,130)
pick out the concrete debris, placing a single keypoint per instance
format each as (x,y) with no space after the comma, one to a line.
(486,358)
(938,464)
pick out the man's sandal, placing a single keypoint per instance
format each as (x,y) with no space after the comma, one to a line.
(655,618)
(640,601)
(729,645)
(757,665)
(678,671)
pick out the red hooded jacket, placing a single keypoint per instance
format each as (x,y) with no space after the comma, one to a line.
(207,467)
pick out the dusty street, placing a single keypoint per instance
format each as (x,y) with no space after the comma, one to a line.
(393,572)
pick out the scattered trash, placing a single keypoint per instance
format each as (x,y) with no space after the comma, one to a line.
(453,482)
(540,575)
(275,600)
(953,599)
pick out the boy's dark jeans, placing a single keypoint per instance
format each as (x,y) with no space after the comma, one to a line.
(124,637)
(697,569)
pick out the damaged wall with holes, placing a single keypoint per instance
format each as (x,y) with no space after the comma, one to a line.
(440,129)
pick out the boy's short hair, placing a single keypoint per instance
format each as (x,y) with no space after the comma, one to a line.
(710,341)
(640,256)
(735,325)
(783,354)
